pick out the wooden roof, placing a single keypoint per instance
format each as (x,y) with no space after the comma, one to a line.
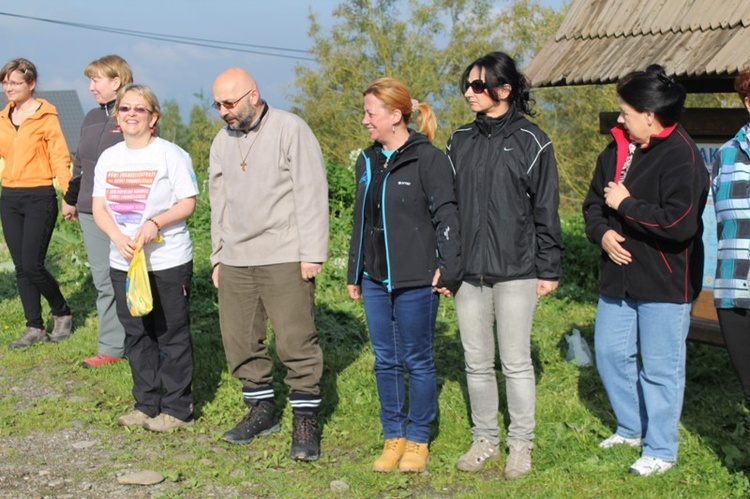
(704,43)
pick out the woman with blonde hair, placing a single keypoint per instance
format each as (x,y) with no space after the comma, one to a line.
(99,132)
(404,253)
(144,191)
(35,153)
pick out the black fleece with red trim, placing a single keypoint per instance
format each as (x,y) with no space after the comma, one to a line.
(660,221)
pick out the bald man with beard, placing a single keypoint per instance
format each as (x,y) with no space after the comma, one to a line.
(269,234)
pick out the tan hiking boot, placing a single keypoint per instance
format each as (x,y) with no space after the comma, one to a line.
(415,458)
(134,418)
(392,452)
(164,423)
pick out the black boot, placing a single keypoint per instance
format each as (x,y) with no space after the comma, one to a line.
(259,420)
(305,437)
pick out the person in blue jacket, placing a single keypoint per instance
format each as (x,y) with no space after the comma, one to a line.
(404,253)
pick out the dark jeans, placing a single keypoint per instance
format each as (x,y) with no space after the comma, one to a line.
(28,216)
(158,345)
(402,328)
(735,327)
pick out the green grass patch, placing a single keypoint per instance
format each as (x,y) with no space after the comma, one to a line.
(45,390)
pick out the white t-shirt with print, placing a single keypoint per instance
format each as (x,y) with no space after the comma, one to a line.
(138,184)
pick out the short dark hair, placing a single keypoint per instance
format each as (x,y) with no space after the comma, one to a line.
(742,84)
(652,90)
(500,69)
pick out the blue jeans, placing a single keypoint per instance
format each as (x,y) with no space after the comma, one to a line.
(402,327)
(640,352)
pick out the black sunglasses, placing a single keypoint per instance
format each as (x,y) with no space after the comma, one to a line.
(230,105)
(477,86)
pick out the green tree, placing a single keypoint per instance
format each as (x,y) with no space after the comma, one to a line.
(426,44)
(201,132)
(171,127)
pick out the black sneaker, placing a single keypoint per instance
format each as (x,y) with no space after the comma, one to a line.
(305,438)
(259,420)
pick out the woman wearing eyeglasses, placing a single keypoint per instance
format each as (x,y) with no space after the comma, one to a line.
(144,188)
(35,153)
(511,247)
(644,209)
(404,252)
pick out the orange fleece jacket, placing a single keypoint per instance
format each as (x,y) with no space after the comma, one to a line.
(36,152)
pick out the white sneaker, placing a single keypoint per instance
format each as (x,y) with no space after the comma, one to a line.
(481,450)
(616,439)
(647,465)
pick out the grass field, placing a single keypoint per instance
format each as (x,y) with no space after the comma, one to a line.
(573,413)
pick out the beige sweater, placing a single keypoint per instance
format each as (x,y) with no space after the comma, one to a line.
(276,209)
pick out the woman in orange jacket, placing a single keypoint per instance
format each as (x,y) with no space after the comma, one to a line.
(34,150)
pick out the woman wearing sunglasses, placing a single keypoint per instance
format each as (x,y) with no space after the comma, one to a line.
(33,147)
(404,253)
(144,188)
(511,247)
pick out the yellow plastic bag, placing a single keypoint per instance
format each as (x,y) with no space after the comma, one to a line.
(137,286)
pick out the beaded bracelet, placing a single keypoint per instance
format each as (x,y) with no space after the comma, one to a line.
(158,227)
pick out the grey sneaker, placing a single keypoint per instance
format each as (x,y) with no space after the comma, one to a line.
(481,450)
(30,336)
(63,327)
(519,461)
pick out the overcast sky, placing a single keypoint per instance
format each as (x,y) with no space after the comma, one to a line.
(174,71)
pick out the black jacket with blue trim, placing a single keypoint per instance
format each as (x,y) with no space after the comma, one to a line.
(419,216)
(507,188)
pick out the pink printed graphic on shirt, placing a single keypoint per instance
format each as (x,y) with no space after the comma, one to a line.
(127,199)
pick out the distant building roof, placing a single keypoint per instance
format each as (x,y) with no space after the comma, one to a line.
(68,109)
(704,43)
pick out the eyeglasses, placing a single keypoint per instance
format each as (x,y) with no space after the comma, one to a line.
(229,105)
(477,86)
(135,109)
(8,83)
